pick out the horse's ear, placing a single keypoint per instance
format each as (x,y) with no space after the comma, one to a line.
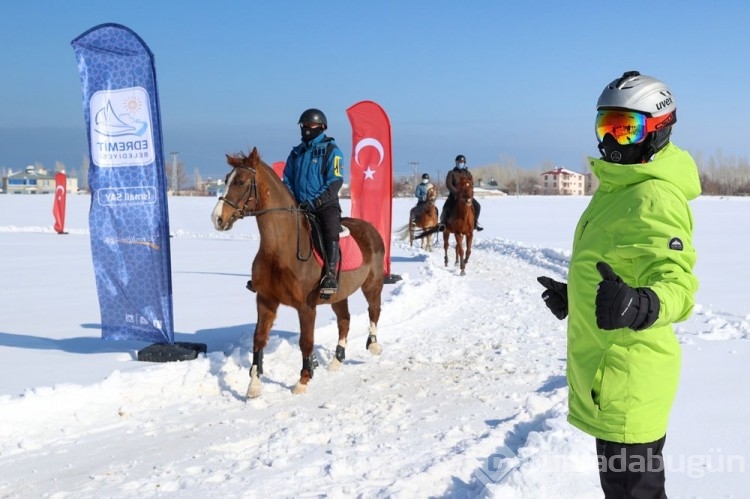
(232,160)
(254,154)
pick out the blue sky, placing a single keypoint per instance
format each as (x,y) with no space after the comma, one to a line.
(488,79)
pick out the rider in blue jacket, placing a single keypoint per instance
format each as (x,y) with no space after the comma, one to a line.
(313,173)
(420,192)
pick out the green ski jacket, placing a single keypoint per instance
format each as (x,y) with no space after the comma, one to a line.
(622,383)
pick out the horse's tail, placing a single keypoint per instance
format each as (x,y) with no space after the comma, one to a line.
(403,232)
(428,231)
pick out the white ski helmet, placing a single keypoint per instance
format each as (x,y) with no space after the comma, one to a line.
(648,96)
(637,92)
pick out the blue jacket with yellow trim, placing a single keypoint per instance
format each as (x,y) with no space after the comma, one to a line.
(308,178)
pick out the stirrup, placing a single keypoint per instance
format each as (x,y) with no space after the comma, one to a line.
(478,227)
(328,285)
(250,286)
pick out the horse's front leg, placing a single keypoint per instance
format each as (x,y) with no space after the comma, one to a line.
(469,239)
(460,250)
(306,315)
(446,243)
(266,315)
(341,309)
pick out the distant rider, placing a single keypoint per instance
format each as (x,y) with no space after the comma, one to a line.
(452,183)
(420,193)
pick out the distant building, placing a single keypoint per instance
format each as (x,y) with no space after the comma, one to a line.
(489,188)
(563,182)
(213,188)
(35,181)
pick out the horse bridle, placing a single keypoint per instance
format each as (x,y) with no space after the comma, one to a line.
(241,212)
(466,200)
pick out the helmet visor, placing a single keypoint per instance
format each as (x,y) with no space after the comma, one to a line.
(628,127)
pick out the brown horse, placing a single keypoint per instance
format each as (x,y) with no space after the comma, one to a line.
(461,223)
(284,270)
(426,217)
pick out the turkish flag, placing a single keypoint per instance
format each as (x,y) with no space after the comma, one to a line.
(58,209)
(372,169)
(278,167)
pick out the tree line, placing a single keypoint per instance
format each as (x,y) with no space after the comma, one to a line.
(720,175)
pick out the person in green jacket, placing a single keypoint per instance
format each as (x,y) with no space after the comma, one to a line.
(630,278)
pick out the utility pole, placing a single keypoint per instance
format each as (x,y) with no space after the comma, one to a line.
(414,165)
(174,172)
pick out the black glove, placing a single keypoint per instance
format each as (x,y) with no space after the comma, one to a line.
(555,297)
(305,206)
(618,305)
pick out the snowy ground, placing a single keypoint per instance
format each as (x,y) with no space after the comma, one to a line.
(467,399)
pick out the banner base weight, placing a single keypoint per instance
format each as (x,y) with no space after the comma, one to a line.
(164,352)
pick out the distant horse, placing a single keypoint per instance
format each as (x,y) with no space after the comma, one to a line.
(461,223)
(284,270)
(426,217)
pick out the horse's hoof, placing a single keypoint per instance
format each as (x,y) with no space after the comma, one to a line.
(299,389)
(375,348)
(335,365)
(253,391)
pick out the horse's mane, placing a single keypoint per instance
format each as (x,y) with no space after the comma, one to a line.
(253,160)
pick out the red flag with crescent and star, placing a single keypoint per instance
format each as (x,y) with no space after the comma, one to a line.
(372,169)
(58,209)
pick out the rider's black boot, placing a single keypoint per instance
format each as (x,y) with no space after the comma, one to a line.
(329,285)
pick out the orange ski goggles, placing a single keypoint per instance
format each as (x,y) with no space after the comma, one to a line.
(629,127)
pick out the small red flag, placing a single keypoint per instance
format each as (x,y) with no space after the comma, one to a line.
(58,209)
(278,167)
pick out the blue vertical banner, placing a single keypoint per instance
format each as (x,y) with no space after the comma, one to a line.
(128,218)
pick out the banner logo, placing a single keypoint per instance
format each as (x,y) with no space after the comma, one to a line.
(121,131)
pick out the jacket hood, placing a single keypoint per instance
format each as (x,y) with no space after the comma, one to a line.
(671,164)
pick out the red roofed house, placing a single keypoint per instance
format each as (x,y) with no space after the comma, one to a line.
(563,182)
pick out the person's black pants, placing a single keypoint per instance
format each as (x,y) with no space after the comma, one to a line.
(330,221)
(632,471)
(450,202)
(477,208)
(330,226)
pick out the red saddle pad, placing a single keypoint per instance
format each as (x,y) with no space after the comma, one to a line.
(351,255)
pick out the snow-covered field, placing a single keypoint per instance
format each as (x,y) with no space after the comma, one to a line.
(468,397)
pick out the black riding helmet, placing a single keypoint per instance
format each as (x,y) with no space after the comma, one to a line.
(313,115)
(460,158)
